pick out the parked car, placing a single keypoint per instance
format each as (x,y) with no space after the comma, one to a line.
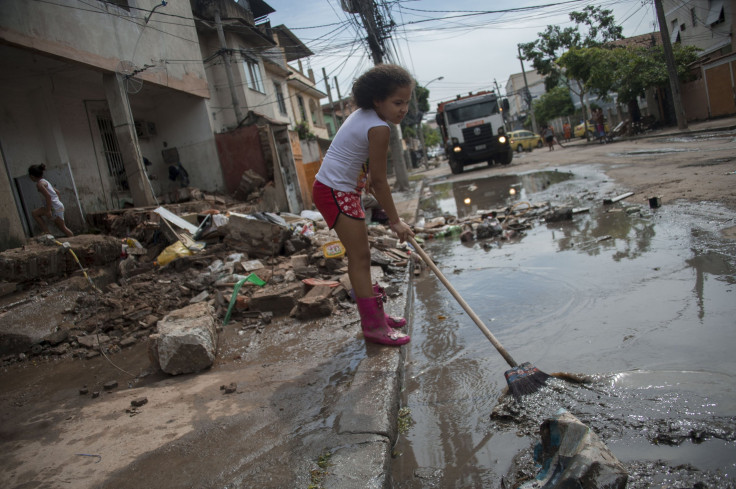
(580,128)
(523,140)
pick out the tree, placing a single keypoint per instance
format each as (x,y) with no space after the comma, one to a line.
(431,136)
(555,103)
(594,27)
(635,69)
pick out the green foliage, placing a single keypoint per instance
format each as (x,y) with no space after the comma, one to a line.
(637,68)
(432,136)
(317,476)
(554,41)
(422,98)
(555,103)
(304,132)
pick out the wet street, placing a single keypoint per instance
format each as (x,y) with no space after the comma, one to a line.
(643,299)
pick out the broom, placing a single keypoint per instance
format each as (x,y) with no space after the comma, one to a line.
(522,379)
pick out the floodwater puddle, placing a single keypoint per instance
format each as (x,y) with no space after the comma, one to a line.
(640,299)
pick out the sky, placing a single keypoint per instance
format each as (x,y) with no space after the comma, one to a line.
(455,40)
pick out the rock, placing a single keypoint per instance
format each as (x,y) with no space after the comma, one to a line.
(279,299)
(57,337)
(230,388)
(108,386)
(255,237)
(202,296)
(139,402)
(127,341)
(315,304)
(186,340)
(572,455)
(83,391)
(93,340)
(561,214)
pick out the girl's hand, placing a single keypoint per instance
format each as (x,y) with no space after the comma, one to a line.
(401,229)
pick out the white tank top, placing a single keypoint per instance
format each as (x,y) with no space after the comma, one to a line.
(345,165)
(55,202)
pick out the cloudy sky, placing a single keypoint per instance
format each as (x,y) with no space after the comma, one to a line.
(462,41)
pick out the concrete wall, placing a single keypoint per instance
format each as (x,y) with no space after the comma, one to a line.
(101,34)
(690,20)
(12,235)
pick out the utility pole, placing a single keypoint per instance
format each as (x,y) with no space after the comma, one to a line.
(329,97)
(671,67)
(526,85)
(500,105)
(339,99)
(225,53)
(376,35)
(423,149)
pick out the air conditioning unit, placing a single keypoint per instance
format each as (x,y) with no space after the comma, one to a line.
(145,129)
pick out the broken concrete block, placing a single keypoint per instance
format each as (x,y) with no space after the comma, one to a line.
(315,304)
(279,299)
(572,455)
(254,236)
(37,260)
(92,340)
(299,261)
(185,341)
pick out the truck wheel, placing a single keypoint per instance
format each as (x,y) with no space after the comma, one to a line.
(505,158)
(455,166)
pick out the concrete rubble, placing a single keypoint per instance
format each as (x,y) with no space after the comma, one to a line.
(185,340)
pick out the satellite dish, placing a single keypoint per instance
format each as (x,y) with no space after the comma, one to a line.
(127,71)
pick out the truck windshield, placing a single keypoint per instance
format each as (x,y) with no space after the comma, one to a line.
(470,112)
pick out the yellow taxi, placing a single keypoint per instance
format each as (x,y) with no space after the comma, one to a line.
(579,131)
(523,140)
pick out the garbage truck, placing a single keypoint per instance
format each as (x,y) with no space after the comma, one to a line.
(473,131)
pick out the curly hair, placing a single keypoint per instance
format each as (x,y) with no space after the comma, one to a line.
(379,83)
(37,170)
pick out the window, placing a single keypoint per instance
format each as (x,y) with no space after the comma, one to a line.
(279,97)
(112,153)
(302,109)
(120,3)
(253,75)
(692,16)
(715,12)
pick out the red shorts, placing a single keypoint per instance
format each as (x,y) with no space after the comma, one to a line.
(331,203)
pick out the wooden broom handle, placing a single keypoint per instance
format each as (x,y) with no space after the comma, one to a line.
(464,304)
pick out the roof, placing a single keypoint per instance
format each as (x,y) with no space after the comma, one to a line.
(293,47)
(641,41)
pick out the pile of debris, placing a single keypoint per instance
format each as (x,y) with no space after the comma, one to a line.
(249,268)
(506,223)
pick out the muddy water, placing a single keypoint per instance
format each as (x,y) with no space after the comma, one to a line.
(641,299)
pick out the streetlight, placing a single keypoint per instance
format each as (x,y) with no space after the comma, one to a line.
(423,150)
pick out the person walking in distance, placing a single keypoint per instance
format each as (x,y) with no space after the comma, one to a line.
(54,208)
(355,161)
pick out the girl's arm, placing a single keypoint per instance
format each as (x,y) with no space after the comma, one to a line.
(46,195)
(378,139)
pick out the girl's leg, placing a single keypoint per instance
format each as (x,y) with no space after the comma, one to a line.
(354,236)
(62,225)
(38,217)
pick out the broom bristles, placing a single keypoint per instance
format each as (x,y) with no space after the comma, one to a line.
(525,379)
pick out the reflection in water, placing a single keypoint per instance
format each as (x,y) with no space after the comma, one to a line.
(610,291)
(467,198)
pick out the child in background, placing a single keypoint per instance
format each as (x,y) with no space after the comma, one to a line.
(356,161)
(54,208)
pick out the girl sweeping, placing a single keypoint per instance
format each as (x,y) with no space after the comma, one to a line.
(54,208)
(356,161)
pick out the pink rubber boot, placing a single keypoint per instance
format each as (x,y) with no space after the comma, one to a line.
(393,322)
(373,323)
